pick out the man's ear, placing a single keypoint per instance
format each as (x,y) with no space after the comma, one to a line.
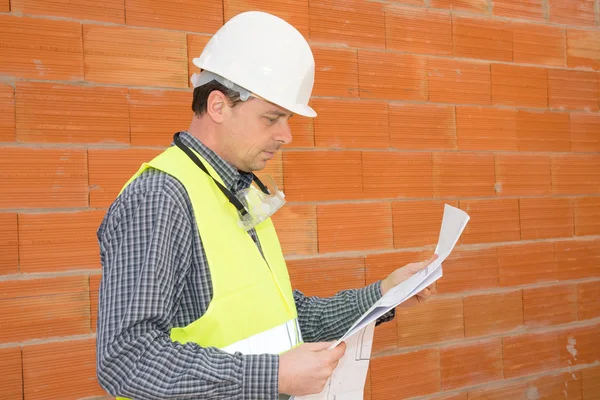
(216,106)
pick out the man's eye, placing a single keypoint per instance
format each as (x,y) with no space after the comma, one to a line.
(272,120)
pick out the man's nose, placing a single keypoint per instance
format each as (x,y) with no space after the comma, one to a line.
(284,134)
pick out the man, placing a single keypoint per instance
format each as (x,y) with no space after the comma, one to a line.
(195,299)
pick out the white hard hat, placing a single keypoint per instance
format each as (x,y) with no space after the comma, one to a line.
(265,55)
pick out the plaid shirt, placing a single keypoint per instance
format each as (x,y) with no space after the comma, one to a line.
(155,277)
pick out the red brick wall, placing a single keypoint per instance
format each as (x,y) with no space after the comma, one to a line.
(492,105)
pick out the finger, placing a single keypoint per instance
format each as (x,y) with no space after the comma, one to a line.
(430,260)
(318,346)
(418,266)
(337,353)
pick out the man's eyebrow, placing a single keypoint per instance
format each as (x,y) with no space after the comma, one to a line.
(279,113)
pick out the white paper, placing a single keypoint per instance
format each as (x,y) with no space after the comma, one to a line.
(348,379)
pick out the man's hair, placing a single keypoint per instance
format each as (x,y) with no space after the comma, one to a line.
(201,94)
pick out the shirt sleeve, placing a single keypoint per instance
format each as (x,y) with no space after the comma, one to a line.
(327,319)
(146,249)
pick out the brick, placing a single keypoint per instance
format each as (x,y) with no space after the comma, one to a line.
(579,345)
(59,307)
(457,396)
(34,48)
(51,113)
(206,16)
(9,244)
(474,6)
(46,368)
(543,131)
(385,338)
(417,223)
(491,221)
(322,175)
(326,276)
(530,354)
(437,320)
(422,127)
(471,364)
(5,6)
(572,12)
(392,76)
(503,391)
(418,30)
(589,300)
(486,128)
(342,227)
(466,270)
(379,266)
(11,376)
(583,49)
(105,11)
(515,85)
(576,174)
(133,56)
(587,216)
(157,114)
(111,169)
(527,9)
(522,264)
(7,113)
(94,287)
(412,2)
(59,241)
(489,314)
(459,82)
(551,305)
(195,46)
(577,259)
(302,131)
(297,229)
(523,175)
(336,72)
(463,174)
(590,383)
(572,90)
(43,178)
(397,175)
(351,124)
(293,11)
(412,374)
(558,386)
(354,23)
(543,218)
(539,44)
(584,132)
(482,38)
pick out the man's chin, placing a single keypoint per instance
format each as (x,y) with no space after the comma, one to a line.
(259,165)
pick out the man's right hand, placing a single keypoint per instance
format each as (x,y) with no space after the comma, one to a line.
(305,369)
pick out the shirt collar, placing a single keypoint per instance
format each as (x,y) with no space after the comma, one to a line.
(233,178)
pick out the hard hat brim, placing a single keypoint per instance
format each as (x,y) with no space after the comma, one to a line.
(302,109)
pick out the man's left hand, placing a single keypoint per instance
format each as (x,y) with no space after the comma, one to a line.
(402,274)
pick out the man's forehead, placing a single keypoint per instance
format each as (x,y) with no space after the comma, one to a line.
(274,108)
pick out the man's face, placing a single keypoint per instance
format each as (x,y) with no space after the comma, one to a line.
(253,131)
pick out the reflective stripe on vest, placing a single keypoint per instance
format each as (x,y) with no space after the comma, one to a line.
(275,340)
(252,309)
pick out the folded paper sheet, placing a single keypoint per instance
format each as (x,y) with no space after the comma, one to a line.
(348,380)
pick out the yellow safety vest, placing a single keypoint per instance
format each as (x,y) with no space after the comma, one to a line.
(252,310)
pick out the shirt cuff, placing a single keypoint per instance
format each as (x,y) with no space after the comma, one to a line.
(368,296)
(261,376)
